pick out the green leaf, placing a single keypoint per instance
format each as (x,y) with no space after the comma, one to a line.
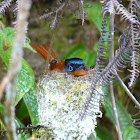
(91,58)
(7,39)
(2,113)
(131,133)
(30,100)
(8,36)
(25,78)
(128,131)
(103,133)
(95,14)
(19,124)
(22,112)
(79,51)
(94,138)
(1,23)
(1,38)
(123,115)
(75,50)
(6,55)
(2,109)
(28,46)
(22,135)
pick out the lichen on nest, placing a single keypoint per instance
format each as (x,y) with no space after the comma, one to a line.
(61,98)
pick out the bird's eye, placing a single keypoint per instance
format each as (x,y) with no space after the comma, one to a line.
(70,68)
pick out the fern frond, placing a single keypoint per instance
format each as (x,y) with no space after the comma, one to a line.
(136,120)
(125,14)
(4,4)
(105,38)
(120,60)
(108,7)
(136,5)
(103,44)
(16,8)
(135,33)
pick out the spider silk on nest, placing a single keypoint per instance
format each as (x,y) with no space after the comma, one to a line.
(61,98)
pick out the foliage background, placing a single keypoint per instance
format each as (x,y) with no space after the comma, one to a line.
(71,40)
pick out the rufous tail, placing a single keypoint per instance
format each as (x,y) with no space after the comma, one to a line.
(43,51)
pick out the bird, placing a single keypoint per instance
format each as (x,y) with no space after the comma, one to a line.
(74,66)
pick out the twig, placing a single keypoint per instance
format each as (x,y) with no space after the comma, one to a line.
(128,92)
(50,47)
(49,14)
(82,10)
(111,55)
(54,32)
(55,21)
(15,66)
(3,84)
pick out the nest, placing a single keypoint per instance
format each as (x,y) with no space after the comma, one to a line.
(61,98)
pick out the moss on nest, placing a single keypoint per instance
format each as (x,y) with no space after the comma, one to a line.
(60,99)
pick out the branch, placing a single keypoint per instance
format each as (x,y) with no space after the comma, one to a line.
(15,66)
(128,92)
(111,55)
(3,84)
(54,32)
(57,13)
(50,47)
(81,9)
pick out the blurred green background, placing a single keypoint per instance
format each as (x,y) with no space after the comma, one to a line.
(71,40)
